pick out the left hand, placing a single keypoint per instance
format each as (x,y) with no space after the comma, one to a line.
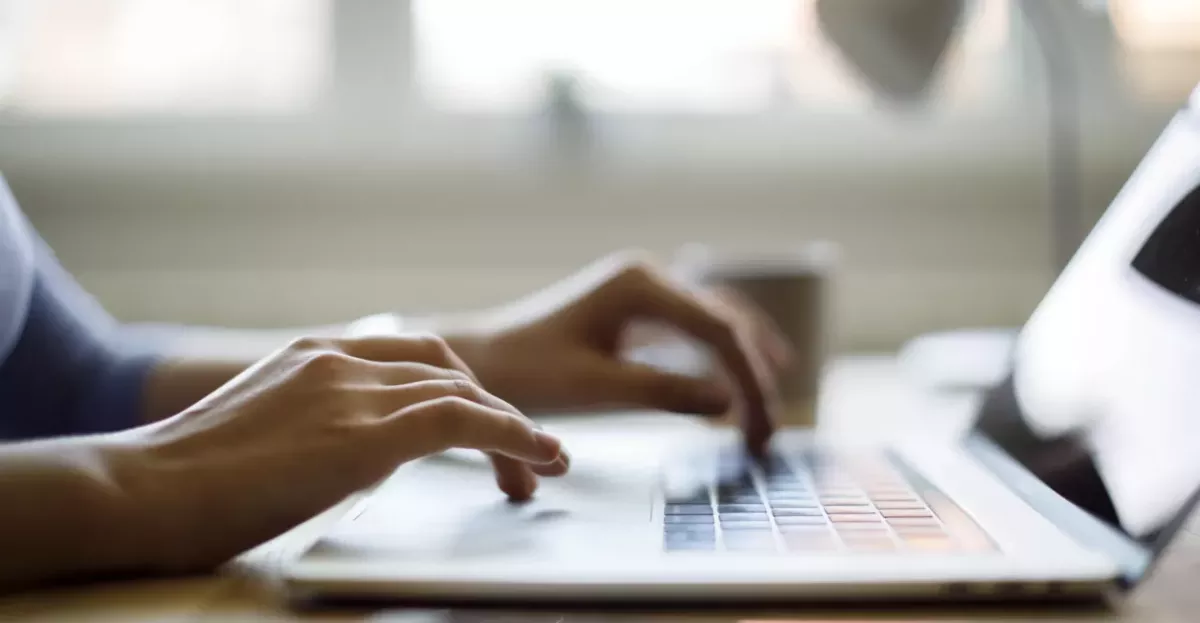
(561,348)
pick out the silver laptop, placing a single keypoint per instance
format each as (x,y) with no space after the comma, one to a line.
(1078,471)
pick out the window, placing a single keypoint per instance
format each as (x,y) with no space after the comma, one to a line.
(661,55)
(113,57)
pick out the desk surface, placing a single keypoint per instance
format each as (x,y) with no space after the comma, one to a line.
(860,394)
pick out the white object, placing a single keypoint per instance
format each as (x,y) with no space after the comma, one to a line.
(957,360)
(597,534)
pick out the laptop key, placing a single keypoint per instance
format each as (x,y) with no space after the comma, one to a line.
(908,535)
(894,497)
(875,491)
(797,496)
(913,521)
(849,510)
(787,487)
(898,504)
(807,528)
(743,526)
(688,519)
(854,518)
(741,508)
(861,527)
(691,495)
(807,520)
(844,500)
(692,530)
(688,509)
(777,469)
(795,504)
(917,532)
(893,513)
(701,499)
(840,493)
(726,517)
(689,528)
(796,512)
(688,538)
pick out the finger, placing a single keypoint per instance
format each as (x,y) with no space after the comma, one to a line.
(410,348)
(768,336)
(656,296)
(559,467)
(455,422)
(646,386)
(389,373)
(512,476)
(392,398)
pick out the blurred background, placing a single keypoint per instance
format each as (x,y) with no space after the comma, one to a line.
(287,162)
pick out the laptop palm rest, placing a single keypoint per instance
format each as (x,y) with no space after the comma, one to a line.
(447,509)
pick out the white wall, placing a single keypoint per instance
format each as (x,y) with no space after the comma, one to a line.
(372,202)
(941,226)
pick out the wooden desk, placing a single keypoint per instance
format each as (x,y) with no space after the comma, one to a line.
(865,397)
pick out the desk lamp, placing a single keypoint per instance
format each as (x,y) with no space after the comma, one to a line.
(896,46)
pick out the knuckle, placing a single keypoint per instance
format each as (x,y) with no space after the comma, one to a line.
(326,363)
(515,426)
(431,348)
(428,342)
(636,264)
(462,388)
(308,343)
(351,343)
(448,417)
(456,376)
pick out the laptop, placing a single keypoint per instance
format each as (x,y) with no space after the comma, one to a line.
(1077,472)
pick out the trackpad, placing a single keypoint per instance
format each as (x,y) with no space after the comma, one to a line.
(437,510)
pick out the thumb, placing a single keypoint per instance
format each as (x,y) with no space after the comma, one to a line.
(646,386)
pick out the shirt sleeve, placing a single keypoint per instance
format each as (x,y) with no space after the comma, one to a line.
(73,369)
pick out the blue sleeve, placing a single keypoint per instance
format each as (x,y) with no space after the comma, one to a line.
(73,369)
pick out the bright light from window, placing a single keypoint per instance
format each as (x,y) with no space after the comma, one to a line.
(104,57)
(1145,25)
(1160,41)
(676,55)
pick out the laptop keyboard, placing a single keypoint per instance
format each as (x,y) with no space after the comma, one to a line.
(805,503)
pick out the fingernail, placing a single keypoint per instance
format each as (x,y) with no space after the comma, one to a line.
(565,458)
(548,444)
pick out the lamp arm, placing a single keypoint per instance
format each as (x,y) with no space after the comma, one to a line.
(1064,133)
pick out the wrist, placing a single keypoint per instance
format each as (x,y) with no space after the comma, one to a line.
(142,507)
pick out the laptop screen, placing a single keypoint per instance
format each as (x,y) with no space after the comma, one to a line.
(1103,402)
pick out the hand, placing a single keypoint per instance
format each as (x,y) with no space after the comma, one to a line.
(561,348)
(307,426)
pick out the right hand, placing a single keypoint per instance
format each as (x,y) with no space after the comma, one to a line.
(302,429)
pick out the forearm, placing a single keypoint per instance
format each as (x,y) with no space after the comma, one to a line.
(65,515)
